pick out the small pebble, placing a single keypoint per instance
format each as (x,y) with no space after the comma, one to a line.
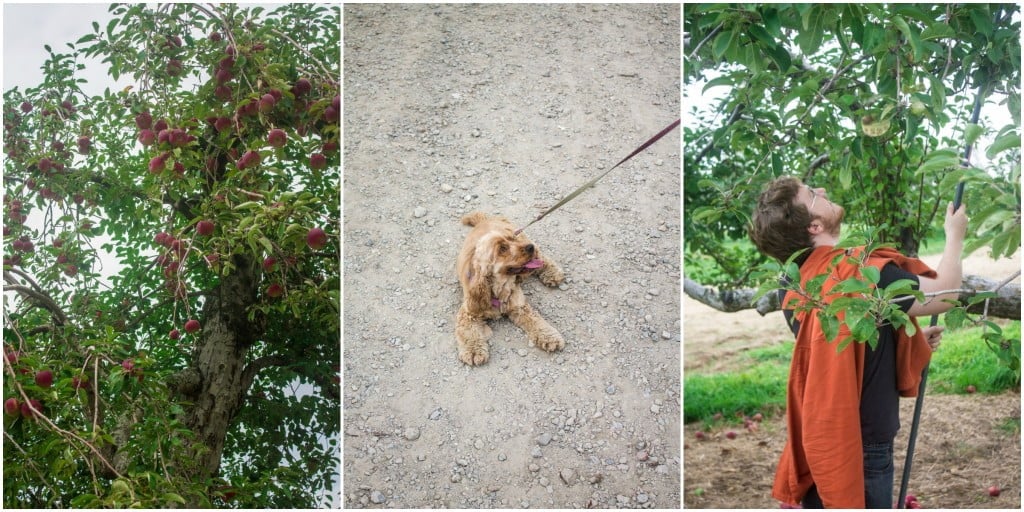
(544,439)
(502,457)
(479,444)
(462,462)
(568,476)
(446,188)
(610,390)
(436,415)
(534,468)
(377,497)
(419,212)
(412,433)
(641,498)
(536,453)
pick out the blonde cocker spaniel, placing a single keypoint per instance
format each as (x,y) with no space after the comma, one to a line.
(492,263)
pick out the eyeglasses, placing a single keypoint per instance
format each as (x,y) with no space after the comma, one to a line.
(814,196)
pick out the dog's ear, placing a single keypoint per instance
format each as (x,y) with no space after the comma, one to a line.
(478,281)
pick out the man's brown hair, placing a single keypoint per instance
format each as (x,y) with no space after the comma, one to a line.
(779,224)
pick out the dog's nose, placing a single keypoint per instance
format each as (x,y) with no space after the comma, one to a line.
(529,249)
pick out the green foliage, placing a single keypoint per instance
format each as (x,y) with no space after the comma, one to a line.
(962,360)
(759,388)
(869,101)
(103,251)
(965,358)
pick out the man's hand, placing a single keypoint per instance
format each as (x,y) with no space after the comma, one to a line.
(933,334)
(956,223)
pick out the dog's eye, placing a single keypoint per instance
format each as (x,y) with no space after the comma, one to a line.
(502,248)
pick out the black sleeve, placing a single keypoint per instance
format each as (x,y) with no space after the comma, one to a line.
(890,274)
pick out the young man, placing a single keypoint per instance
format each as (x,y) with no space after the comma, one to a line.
(842,408)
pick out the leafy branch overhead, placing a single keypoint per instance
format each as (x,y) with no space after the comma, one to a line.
(171,258)
(871,102)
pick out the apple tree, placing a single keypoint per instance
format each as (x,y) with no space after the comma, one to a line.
(171,264)
(872,102)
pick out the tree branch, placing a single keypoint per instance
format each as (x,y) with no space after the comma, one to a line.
(1007,304)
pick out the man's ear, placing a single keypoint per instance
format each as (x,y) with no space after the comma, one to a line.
(815,228)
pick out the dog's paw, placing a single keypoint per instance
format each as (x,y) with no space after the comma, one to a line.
(550,342)
(473,357)
(551,275)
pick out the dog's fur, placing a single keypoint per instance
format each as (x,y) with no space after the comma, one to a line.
(492,264)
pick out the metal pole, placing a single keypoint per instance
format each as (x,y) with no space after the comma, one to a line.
(957,200)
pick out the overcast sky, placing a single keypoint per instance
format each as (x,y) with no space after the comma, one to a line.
(27,27)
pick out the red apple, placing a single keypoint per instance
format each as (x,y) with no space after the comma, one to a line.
(27,412)
(317,161)
(174,67)
(128,365)
(276,137)
(699,435)
(267,102)
(79,382)
(222,123)
(84,144)
(192,326)
(144,121)
(993,491)
(204,227)
(730,435)
(215,37)
(158,163)
(758,417)
(269,264)
(44,378)
(12,407)
(910,498)
(275,290)
(147,137)
(71,270)
(301,87)
(249,159)
(971,388)
(26,107)
(316,239)
(222,92)
(175,334)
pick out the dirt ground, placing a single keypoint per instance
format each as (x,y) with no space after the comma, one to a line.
(963,446)
(505,109)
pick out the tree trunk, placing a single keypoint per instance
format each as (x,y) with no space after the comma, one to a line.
(1006,305)
(219,361)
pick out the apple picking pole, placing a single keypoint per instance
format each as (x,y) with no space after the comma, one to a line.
(957,200)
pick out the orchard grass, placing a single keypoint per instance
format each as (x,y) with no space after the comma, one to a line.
(964,359)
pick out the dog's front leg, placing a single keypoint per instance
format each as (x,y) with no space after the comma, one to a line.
(471,334)
(537,329)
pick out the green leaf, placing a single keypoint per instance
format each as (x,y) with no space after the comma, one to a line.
(829,326)
(972,132)
(937,30)
(872,274)
(172,497)
(852,285)
(722,42)
(1006,141)
(758,33)
(937,163)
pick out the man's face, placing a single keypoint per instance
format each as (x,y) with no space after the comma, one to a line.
(829,214)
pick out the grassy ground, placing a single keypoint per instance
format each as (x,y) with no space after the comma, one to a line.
(963,360)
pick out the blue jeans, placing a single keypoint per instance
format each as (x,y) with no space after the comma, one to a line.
(878,476)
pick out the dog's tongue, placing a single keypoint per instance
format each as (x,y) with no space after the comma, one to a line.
(532,264)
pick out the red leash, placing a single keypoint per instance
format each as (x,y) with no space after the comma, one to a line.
(590,183)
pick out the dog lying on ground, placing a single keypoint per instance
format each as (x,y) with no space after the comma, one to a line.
(492,264)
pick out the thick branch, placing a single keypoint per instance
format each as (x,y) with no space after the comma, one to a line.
(1006,304)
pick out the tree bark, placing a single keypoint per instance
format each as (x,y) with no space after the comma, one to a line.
(219,362)
(1006,305)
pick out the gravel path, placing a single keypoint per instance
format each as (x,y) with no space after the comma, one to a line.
(505,109)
